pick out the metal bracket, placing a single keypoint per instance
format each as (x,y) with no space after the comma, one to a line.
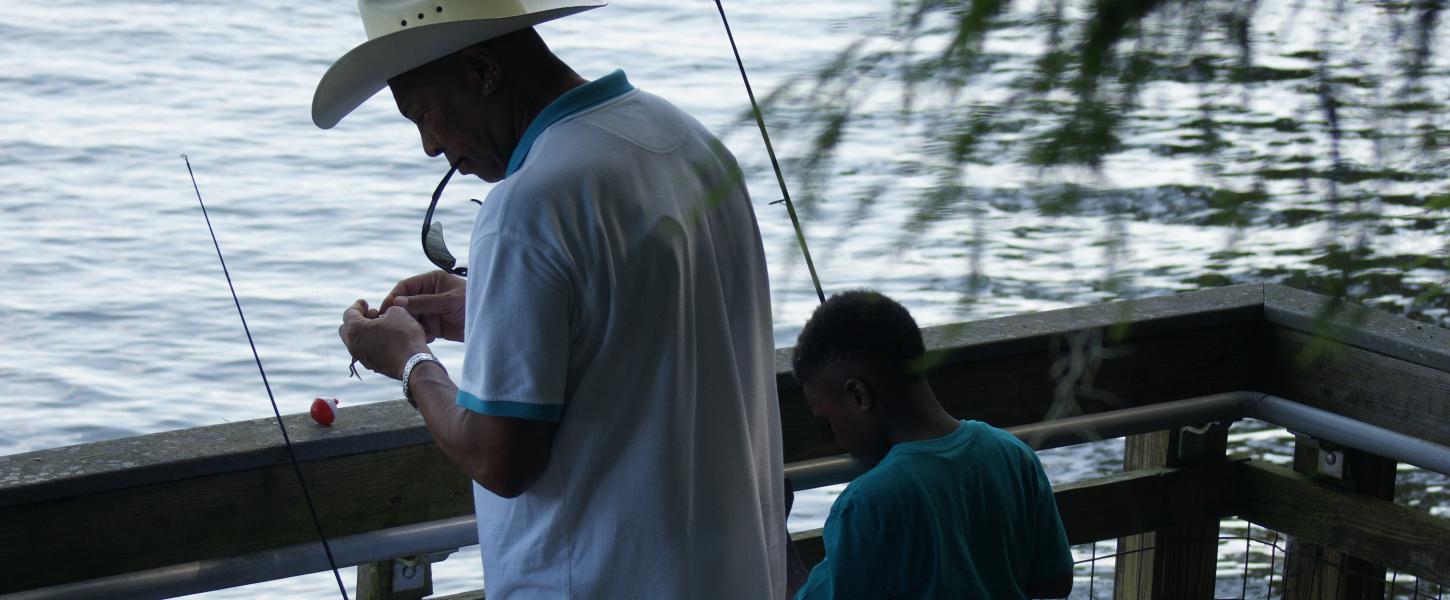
(407,575)
(1331,462)
(1193,441)
(401,578)
(1330,456)
(411,572)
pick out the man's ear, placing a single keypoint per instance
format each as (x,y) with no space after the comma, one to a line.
(858,393)
(483,67)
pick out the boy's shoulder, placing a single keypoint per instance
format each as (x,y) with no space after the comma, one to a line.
(901,471)
(976,446)
(973,441)
(996,434)
(867,488)
(1004,441)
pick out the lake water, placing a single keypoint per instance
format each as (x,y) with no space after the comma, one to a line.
(117,321)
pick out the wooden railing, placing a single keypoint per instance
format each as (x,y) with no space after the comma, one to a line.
(123,506)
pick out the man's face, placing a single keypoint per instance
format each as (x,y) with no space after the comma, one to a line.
(455,115)
(847,408)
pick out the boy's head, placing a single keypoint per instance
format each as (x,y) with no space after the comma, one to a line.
(858,359)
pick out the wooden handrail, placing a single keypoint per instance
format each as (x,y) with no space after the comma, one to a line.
(139,503)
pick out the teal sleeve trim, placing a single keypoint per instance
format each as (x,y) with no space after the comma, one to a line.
(507,408)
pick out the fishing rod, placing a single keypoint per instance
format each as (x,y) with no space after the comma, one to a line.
(316,522)
(800,235)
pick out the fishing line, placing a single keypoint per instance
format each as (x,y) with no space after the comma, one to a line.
(275,411)
(329,351)
(800,236)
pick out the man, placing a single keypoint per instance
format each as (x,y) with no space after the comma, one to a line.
(616,403)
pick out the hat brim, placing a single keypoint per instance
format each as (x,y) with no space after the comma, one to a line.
(364,70)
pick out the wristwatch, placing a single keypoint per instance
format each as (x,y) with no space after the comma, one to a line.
(408,372)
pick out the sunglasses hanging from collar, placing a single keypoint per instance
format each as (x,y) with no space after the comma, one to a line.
(433,246)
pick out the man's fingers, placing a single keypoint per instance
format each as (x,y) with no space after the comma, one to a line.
(375,340)
(423,304)
(398,290)
(356,312)
(417,284)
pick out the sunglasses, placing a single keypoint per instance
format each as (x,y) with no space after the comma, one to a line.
(433,246)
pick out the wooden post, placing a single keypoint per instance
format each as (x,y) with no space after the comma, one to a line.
(385,581)
(408,578)
(1314,571)
(1176,562)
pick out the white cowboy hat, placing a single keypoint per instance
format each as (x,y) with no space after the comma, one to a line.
(403,34)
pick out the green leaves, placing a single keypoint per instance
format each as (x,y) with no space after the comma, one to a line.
(1273,121)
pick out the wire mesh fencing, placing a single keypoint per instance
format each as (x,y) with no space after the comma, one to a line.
(1252,564)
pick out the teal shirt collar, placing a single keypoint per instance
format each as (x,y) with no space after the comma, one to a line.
(582,97)
(936,445)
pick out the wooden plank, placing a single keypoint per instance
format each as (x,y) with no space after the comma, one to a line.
(375,581)
(1030,332)
(1119,504)
(1144,317)
(1136,570)
(1354,325)
(1021,388)
(222,515)
(1376,530)
(1177,561)
(186,453)
(1368,386)
(1144,500)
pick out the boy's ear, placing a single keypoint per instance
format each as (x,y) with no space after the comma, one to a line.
(858,393)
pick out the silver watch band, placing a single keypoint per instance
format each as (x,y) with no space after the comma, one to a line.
(408,372)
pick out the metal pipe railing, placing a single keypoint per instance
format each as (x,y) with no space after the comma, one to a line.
(449,534)
(1345,431)
(1058,433)
(221,573)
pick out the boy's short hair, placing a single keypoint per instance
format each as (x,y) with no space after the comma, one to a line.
(855,329)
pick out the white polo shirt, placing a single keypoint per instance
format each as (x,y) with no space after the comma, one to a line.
(617,285)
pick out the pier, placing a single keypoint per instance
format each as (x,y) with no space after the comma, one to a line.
(213,507)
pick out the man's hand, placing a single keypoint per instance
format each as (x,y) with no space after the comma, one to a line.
(435,299)
(381,342)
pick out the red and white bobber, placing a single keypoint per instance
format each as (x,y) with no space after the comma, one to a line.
(324,411)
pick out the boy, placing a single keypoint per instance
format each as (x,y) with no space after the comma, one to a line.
(950,509)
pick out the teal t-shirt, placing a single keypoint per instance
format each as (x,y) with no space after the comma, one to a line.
(966,515)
